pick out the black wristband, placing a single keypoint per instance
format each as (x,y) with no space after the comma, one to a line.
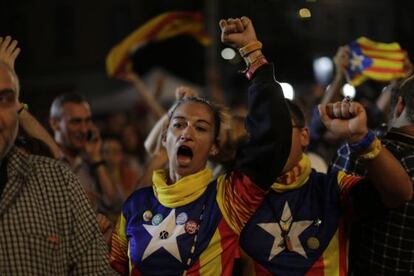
(96,164)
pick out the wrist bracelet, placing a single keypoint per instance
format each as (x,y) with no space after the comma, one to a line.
(252,57)
(254,66)
(364,143)
(374,150)
(23,107)
(96,164)
(251,47)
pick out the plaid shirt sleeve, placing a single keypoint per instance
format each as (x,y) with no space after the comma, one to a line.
(404,154)
(347,161)
(89,253)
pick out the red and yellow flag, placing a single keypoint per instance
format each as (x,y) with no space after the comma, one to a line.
(375,60)
(162,27)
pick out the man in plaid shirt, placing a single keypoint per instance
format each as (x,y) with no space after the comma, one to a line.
(46,224)
(383,243)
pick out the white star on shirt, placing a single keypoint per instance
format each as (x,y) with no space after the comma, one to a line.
(295,230)
(170,243)
(356,61)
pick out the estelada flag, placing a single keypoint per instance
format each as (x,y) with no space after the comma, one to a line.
(374,60)
(163,27)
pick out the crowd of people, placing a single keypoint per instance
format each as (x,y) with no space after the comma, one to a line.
(209,193)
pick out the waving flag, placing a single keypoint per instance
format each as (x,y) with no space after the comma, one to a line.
(374,60)
(160,28)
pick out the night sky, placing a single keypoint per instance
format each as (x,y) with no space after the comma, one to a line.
(64,43)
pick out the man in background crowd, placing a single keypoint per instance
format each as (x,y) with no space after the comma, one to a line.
(80,144)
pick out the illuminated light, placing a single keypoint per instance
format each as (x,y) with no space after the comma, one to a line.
(323,64)
(348,90)
(305,13)
(323,69)
(288,90)
(228,53)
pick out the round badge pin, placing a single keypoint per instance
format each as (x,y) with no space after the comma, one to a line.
(157,219)
(191,227)
(313,243)
(147,215)
(181,218)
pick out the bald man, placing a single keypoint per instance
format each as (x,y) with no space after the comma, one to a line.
(46,223)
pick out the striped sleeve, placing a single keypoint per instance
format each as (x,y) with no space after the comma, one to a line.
(119,250)
(238,198)
(346,182)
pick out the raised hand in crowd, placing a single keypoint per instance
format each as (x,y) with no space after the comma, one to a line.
(341,61)
(348,120)
(8,54)
(237,32)
(154,106)
(9,51)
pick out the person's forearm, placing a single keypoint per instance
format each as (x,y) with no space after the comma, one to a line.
(333,90)
(36,130)
(384,100)
(269,127)
(390,179)
(152,143)
(148,98)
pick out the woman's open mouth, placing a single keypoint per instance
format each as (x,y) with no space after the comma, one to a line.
(184,155)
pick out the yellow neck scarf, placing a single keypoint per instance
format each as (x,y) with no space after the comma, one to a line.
(294,178)
(182,192)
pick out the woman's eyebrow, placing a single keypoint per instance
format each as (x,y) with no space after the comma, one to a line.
(203,121)
(179,117)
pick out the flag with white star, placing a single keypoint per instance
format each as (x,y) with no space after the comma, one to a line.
(374,60)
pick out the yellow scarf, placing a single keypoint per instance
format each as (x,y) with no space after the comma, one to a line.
(182,192)
(294,178)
